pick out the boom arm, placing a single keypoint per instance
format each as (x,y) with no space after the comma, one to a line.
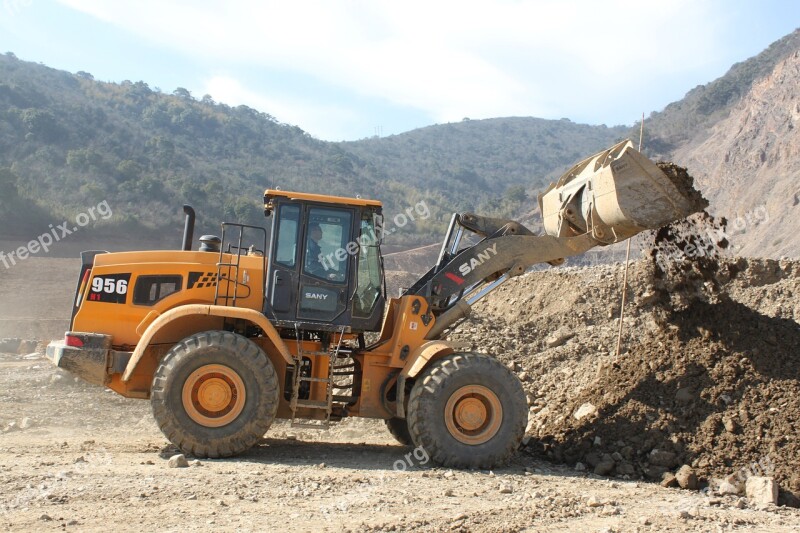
(460,279)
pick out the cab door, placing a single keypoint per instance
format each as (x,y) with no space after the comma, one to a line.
(284,262)
(328,252)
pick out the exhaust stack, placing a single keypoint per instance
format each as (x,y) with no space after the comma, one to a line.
(188,228)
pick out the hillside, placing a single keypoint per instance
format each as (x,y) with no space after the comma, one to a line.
(68,141)
(750,162)
(485,155)
(702,107)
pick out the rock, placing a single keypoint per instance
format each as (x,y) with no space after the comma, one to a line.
(594,501)
(178,461)
(506,489)
(27,346)
(592,459)
(662,458)
(605,466)
(762,490)
(580,467)
(609,510)
(725,487)
(625,468)
(656,473)
(669,480)
(686,478)
(558,338)
(730,425)
(192,497)
(196,462)
(9,345)
(684,395)
(789,499)
(25,423)
(741,503)
(449,492)
(585,410)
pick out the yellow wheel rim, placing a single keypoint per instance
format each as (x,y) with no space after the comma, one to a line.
(213,395)
(473,414)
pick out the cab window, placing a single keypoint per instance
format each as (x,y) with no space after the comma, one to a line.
(369,279)
(326,244)
(288,224)
(152,289)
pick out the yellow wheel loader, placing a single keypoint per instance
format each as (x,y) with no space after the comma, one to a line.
(225,339)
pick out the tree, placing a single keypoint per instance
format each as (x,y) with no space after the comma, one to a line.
(180,92)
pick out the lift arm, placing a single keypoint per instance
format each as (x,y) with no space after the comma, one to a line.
(607,198)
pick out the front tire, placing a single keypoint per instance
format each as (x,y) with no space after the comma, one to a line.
(467,410)
(214,394)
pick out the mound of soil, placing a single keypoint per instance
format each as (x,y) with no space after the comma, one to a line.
(709,374)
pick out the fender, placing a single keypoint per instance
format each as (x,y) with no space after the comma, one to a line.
(250,315)
(423,354)
(417,362)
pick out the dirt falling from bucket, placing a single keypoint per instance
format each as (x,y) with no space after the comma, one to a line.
(686,258)
(684,182)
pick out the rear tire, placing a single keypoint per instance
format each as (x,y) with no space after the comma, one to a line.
(214,394)
(398,427)
(467,410)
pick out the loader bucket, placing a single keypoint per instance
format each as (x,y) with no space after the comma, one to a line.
(616,194)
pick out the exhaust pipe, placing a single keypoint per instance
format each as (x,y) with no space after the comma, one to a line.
(188,228)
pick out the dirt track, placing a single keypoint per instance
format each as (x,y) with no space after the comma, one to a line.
(78,457)
(87,459)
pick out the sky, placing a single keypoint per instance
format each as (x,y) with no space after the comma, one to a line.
(350,69)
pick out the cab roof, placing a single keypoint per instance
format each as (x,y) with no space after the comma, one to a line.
(322,198)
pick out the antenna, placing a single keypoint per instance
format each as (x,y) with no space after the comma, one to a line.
(627,263)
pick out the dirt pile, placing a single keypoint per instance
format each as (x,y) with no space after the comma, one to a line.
(709,375)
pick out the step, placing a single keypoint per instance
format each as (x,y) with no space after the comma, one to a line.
(314,380)
(312,404)
(344,399)
(326,354)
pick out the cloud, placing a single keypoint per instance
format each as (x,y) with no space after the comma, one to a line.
(319,120)
(447,59)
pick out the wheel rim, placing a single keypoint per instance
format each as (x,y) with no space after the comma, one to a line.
(213,395)
(473,414)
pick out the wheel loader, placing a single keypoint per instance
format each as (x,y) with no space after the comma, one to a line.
(297,325)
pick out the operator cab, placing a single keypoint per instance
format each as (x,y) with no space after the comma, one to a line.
(325,270)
